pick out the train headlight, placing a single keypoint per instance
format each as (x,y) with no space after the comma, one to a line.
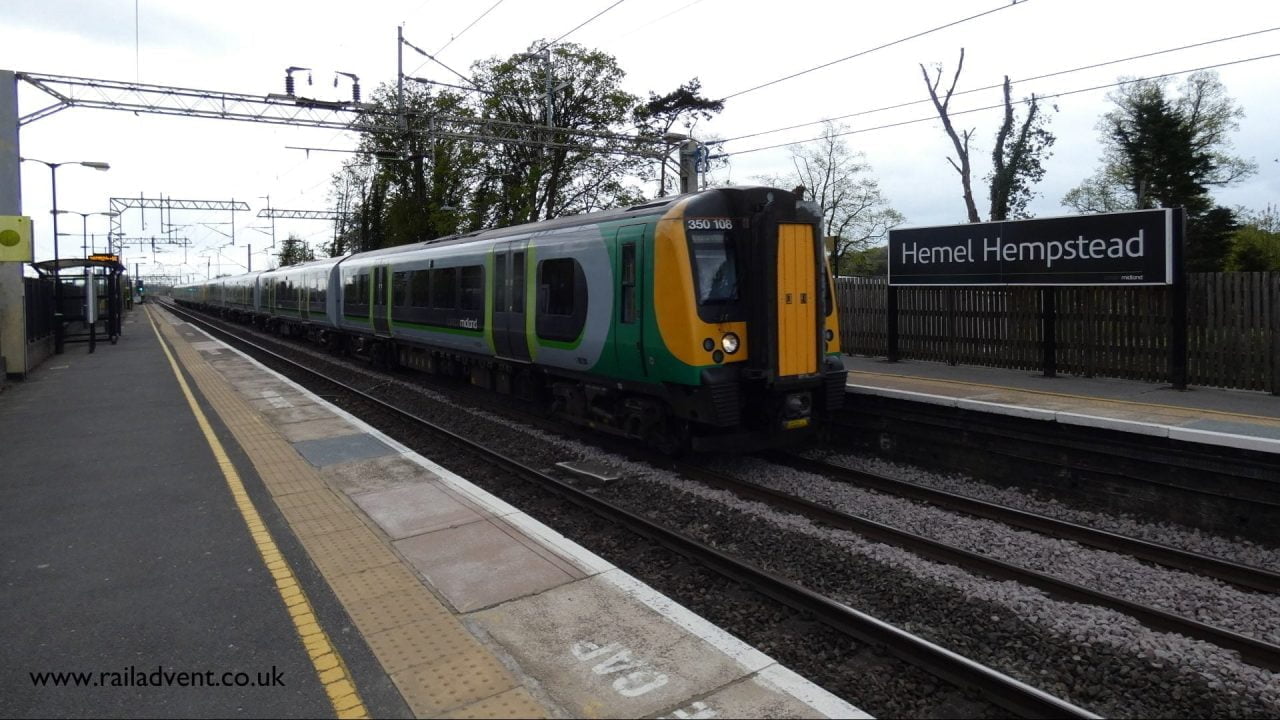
(730,343)
(830,335)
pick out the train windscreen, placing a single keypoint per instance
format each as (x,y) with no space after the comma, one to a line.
(715,267)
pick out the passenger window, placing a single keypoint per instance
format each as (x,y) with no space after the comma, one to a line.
(400,289)
(472,287)
(628,283)
(420,288)
(500,283)
(443,288)
(517,282)
(562,300)
(557,283)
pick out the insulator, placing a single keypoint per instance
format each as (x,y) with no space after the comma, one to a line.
(355,92)
(288,84)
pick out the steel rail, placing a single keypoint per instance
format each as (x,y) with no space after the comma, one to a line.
(1252,650)
(1247,576)
(996,687)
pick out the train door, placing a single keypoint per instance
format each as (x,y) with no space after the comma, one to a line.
(509,306)
(628,273)
(797,300)
(379,304)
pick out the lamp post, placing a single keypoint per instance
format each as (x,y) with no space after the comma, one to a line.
(84,226)
(57,280)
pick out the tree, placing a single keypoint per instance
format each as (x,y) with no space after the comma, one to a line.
(555,174)
(684,105)
(1167,152)
(294,250)
(1017,165)
(960,142)
(855,213)
(871,262)
(1255,245)
(1016,158)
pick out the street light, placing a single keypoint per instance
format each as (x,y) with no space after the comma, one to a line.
(84,226)
(57,280)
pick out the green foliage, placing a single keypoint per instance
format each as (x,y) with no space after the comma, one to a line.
(684,105)
(1018,165)
(456,161)
(1167,151)
(294,250)
(1255,246)
(870,262)
(1209,239)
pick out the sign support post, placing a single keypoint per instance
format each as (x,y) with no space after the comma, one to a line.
(891,324)
(1178,303)
(1049,330)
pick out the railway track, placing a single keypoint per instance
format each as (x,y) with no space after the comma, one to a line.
(996,688)
(1244,576)
(1222,490)
(1258,652)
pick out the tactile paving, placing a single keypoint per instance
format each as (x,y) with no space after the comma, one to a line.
(324,525)
(350,551)
(420,643)
(453,682)
(514,703)
(356,588)
(396,609)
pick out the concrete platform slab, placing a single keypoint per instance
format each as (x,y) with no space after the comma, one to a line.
(281,401)
(752,697)
(415,509)
(282,412)
(607,655)
(373,474)
(479,565)
(318,430)
(330,449)
(1237,428)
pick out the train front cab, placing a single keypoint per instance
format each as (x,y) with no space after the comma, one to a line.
(784,376)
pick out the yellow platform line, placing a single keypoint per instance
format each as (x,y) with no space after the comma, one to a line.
(1089,398)
(330,669)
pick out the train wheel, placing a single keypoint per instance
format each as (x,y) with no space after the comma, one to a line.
(668,436)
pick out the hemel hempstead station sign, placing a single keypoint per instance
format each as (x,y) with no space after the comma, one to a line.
(1131,248)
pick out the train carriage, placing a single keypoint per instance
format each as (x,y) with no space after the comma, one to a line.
(705,319)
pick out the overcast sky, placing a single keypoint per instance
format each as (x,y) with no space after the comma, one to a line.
(732,45)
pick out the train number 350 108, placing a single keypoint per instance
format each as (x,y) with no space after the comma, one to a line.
(709,223)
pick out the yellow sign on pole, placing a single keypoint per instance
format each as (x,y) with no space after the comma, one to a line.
(15,238)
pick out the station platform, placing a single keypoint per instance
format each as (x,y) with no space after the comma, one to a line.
(1227,418)
(169,505)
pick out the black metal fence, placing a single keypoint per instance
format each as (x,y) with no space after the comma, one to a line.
(39,301)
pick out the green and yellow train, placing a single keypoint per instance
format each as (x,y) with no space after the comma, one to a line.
(703,320)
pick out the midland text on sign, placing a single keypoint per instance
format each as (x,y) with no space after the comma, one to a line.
(1132,248)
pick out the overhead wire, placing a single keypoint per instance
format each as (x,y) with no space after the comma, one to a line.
(578,27)
(992,107)
(868,51)
(468,27)
(455,37)
(682,8)
(999,85)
